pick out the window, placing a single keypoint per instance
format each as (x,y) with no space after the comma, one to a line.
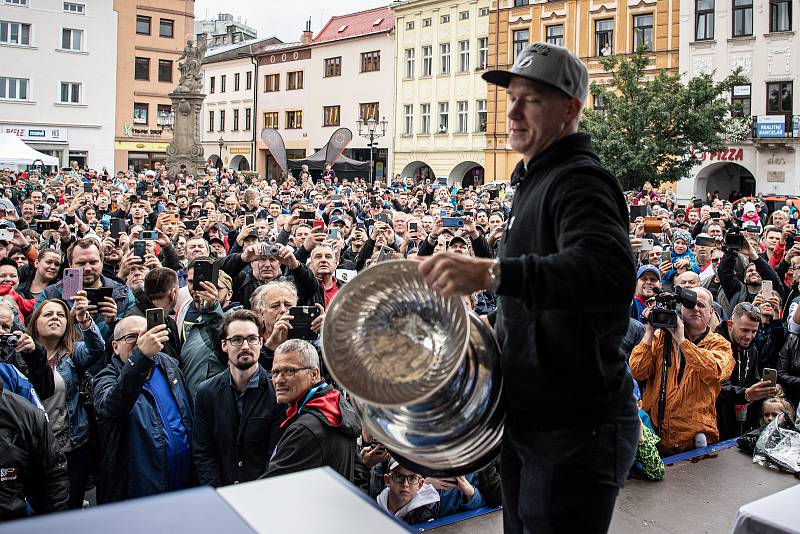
(444,19)
(483,52)
(482,115)
(75,8)
(142,68)
(463,15)
(222,80)
(408,113)
(14,88)
(212,86)
(643,32)
(519,3)
(294,120)
(222,120)
(426,22)
(236,81)
(294,80)
(780,15)
(427,60)
(463,111)
(331,115)
(598,104)
(779,100)
(272,83)
(371,61)
(463,56)
(17,2)
(143,25)
(703,20)
(444,116)
(370,110)
(166,28)
(604,37)
(70,93)
(333,66)
(409,63)
(740,101)
(483,12)
(410,25)
(164,70)
(235,120)
(210,121)
(742,18)
(555,35)
(15,33)
(271,120)
(71,39)
(164,115)
(248,118)
(425,116)
(444,52)
(521,38)
(248,80)
(140,112)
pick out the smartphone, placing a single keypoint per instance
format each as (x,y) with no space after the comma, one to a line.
(452,222)
(117,227)
(386,254)
(6,235)
(771,375)
(191,225)
(384,218)
(87,188)
(636,212)
(249,220)
(96,295)
(44,224)
(647,245)
(203,212)
(72,283)
(148,235)
(412,226)
(69,219)
(240,212)
(318,223)
(714,214)
(155,317)
(308,215)
(204,271)
(301,324)
(766,289)
(133,198)
(666,256)
(333,234)
(139,249)
(203,191)
(706,242)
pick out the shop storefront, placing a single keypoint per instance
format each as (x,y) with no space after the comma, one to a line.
(49,140)
(141,156)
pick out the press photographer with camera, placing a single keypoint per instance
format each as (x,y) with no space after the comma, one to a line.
(258,264)
(682,382)
(23,363)
(758,270)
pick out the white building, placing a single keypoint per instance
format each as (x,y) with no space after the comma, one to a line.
(352,72)
(442,48)
(57,81)
(761,36)
(228,117)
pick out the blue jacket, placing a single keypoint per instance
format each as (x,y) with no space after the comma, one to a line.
(16,382)
(71,367)
(452,501)
(688,255)
(133,443)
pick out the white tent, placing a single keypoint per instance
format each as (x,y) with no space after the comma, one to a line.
(13,151)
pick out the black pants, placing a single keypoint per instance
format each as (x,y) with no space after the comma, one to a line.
(566,480)
(79,466)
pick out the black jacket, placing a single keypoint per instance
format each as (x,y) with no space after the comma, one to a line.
(744,375)
(735,291)
(567,279)
(34,468)
(229,449)
(310,439)
(244,283)
(789,368)
(173,345)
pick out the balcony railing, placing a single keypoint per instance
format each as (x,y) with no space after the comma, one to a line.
(775,127)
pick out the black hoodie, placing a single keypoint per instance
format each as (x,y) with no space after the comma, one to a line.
(745,374)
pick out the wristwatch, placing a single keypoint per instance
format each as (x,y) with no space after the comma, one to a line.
(495,275)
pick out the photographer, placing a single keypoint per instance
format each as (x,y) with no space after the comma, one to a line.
(758,270)
(699,360)
(263,269)
(23,364)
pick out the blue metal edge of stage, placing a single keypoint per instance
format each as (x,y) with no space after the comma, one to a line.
(695,453)
(455,518)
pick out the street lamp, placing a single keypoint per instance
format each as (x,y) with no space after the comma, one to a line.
(371,135)
(221,146)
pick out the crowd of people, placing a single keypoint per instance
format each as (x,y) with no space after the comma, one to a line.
(227,385)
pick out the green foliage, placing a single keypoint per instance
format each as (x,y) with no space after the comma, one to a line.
(652,122)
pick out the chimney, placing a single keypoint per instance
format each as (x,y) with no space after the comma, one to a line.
(308,36)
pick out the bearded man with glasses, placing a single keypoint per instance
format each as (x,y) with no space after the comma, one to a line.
(320,427)
(144,416)
(236,418)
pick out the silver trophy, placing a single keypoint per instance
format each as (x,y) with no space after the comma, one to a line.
(423,372)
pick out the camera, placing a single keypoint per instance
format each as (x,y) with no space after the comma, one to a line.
(665,314)
(734,240)
(8,342)
(269,250)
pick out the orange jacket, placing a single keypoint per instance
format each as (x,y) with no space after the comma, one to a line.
(691,404)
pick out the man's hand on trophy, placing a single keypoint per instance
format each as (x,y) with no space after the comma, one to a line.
(455,274)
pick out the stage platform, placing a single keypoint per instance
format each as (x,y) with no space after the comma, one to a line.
(700,495)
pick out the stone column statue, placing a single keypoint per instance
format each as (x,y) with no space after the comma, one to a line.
(185,153)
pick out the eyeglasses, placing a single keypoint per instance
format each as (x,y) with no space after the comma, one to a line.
(749,308)
(289,372)
(397,478)
(238,341)
(130,339)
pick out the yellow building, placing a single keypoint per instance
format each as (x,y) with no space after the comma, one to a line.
(588,28)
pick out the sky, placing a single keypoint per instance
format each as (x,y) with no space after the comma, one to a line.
(270,17)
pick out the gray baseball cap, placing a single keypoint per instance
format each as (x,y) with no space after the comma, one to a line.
(548,64)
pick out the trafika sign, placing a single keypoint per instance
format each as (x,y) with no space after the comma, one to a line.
(727,154)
